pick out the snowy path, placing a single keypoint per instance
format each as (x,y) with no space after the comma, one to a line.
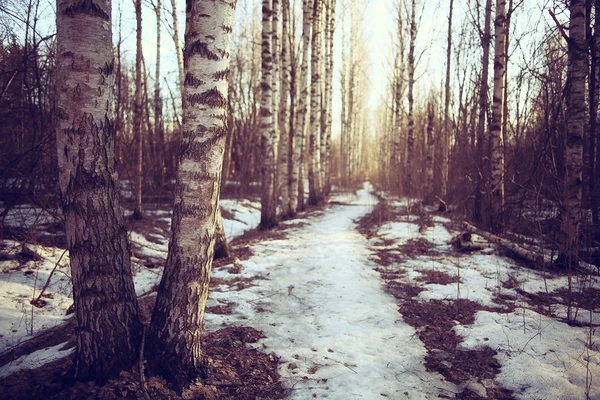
(324,312)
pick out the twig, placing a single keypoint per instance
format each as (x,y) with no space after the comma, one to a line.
(49,278)
(559,26)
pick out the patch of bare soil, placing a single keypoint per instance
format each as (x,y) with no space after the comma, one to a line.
(417,247)
(223,308)
(430,276)
(234,371)
(370,223)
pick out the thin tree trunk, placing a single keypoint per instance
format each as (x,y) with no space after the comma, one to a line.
(178,48)
(268,217)
(330,27)
(594,84)
(483,109)
(159,134)
(137,114)
(410,134)
(447,132)
(275,83)
(429,191)
(174,336)
(399,90)
(284,111)
(573,137)
(297,200)
(496,185)
(108,323)
(315,194)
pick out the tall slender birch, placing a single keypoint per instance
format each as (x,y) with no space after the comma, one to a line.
(284,111)
(108,325)
(429,159)
(398,93)
(178,48)
(483,109)
(297,196)
(575,126)
(343,117)
(268,214)
(275,84)
(496,184)
(410,132)
(315,190)
(328,98)
(447,133)
(174,336)
(137,114)
(159,133)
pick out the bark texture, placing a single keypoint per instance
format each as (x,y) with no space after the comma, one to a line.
(174,335)
(108,324)
(410,133)
(284,111)
(575,126)
(137,114)
(447,133)
(297,196)
(315,187)
(268,211)
(496,183)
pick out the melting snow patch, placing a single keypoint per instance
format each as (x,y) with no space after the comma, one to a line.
(36,359)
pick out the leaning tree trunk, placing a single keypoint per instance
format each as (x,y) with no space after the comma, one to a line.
(315,192)
(108,324)
(268,211)
(496,183)
(573,138)
(174,336)
(137,114)
(297,196)
(410,133)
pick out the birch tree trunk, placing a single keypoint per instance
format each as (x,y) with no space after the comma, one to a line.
(284,112)
(328,98)
(483,109)
(594,88)
(343,117)
(410,134)
(268,214)
(429,189)
(573,138)
(106,309)
(315,191)
(137,114)
(398,92)
(159,134)
(447,133)
(175,330)
(496,186)
(178,48)
(297,196)
(275,83)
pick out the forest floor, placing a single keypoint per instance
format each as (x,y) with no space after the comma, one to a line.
(363,299)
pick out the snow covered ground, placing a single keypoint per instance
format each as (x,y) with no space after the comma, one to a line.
(21,280)
(324,310)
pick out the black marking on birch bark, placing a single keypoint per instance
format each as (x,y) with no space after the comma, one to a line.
(201,49)
(191,80)
(223,74)
(108,68)
(227,28)
(68,54)
(87,7)
(212,98)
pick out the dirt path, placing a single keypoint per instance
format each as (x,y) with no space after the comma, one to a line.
(325,313)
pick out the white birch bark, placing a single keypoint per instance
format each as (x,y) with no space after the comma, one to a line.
(284,112)
(268,217)
(178,48)
(410,133)
(447,133)
(137,114)
(315,193)
(275,83)
(108,325)
(496,185)
(159,133)
(575,127)
(429,160)
(300,138)
(328,98)
(176,327)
